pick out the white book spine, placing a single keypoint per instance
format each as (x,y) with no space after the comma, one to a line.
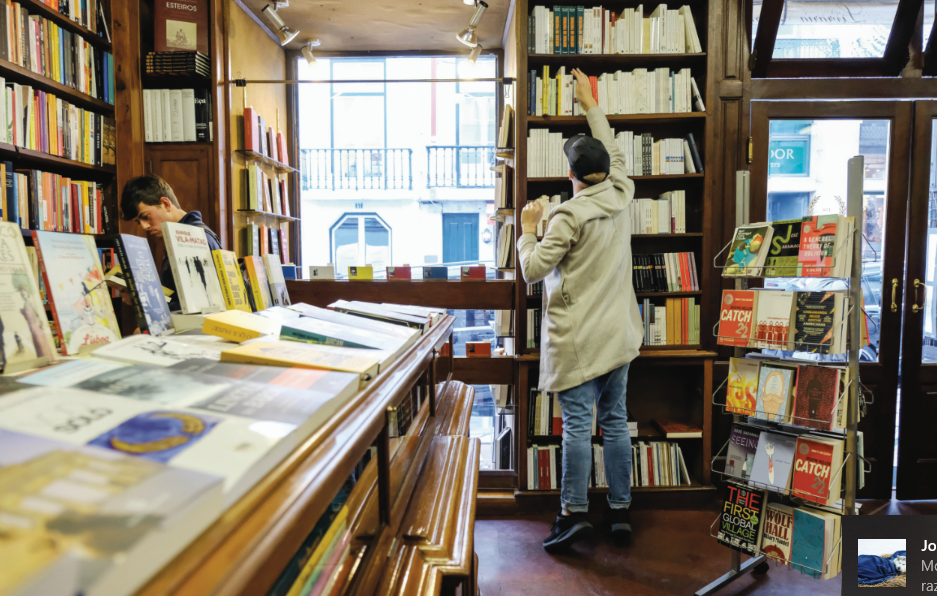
(188,115)
(167,115)
(147,116)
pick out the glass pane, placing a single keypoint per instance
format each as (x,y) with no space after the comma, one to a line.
(473,325)
(807,176)
(929,6)
(359,121)
(355,70)
(492,423)
(376,243)
(345,246)
(929,351)
(823,29)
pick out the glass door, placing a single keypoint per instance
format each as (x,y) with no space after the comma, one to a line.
(799,169)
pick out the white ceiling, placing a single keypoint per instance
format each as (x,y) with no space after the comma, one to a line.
(387,25)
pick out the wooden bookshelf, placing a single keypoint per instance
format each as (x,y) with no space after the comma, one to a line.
(37,7)
(267,213)
(279,166)
(17,74)
(680,401)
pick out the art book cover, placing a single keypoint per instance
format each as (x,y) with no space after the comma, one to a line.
(324,381)
(80,301)
(773,320)
(816,392)
(809,537)
(25,337)
(399,273)
(742,386)
(181,25)
(257,275)
(279,295)
(161,351)
(142,278)
(748,251)
(818,245)
(817,322)
(736,317)
(193,268)
(775,384)
(815,465)
(232,284)
(740,457)
(785,248)
(741,519)
(774,460)
(778,535)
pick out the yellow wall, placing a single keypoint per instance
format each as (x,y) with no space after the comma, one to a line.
(253,55)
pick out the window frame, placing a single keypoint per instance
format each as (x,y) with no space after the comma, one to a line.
(332,94)
(361,215)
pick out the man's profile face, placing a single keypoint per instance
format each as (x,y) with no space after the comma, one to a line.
(151,217)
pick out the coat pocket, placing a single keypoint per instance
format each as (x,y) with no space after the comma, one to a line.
(566,297)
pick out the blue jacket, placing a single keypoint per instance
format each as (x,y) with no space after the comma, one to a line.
(875,570)
(192,218)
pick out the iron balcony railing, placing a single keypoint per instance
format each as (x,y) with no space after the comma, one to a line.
(356,169)
(463,166)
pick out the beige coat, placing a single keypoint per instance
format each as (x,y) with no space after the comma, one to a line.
(591,324)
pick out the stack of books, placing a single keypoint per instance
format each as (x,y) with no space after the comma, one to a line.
(178,63)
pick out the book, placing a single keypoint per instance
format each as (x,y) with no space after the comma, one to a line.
(736,317)
(192,269)
(239,326)
(817,467)
(25,338)
(337,384)
(301,356)
(327,272)
(406,335)
(740,457)
(257,276)
(775,390)
(816,392)
(161,351)
(820,238)
(435,273)
(318,331)
(278,294)
(818,322)
(142,280)
(399,273)
(748,250)
(678,430)
(381,313)
(478,349)
(783,256)
(778,535)
(814,535)
(741,396)
(773,461)
(79,299)
(361,273)
(469,273)
(773,320)
(742,520)
(182,25)
(232,284)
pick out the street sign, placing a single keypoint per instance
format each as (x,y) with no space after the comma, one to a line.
(789,157)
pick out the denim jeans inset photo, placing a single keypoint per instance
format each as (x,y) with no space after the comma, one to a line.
(607,392)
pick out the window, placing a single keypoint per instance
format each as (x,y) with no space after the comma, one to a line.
(360,239)
(789,149)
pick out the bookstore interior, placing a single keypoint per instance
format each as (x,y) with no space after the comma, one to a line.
(334,270)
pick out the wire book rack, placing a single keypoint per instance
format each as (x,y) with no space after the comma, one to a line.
(750,271)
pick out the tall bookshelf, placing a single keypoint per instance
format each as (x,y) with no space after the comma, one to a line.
(666,382)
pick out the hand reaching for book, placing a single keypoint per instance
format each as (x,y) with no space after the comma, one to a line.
(584,91)
(531,216)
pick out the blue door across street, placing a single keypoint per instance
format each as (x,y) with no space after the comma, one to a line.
(459,237)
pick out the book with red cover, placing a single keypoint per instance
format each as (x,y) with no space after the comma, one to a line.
(251,130)
(814,396)
(678,430)
(735,317)
(557,420)
(181,26)
(470,273)
(478,349)
(398,274)
(272,144)
(281,149)
(817,245)
(815,465)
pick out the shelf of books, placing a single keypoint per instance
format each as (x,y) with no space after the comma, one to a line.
(793,460)
(648,68)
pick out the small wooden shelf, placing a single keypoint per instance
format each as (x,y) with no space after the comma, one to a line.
(618,119)
(635,489)
(53,162)
(506,269)
(657,177)
(268,213)
(18,74)
(505,211)
(686,235)
(37,7)
(251,155)
(646,352)
(635,60)
(666,294)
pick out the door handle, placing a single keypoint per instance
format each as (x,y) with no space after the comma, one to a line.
(894,293)
(915,307)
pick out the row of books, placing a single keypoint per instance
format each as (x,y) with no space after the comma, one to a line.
(780,320)
(664,272)
(788,392)
(664,215)
(260,240)
(545,416)
(37,200)
(580,30)
(265,193)
(676,323)
(505,248)
(644,156)
(40,46)
(503,324)
(814,246)
(805,538)
(533,328)
(89,14)
(177,115)
(504,180)
(535,289)
(260,138)
(641,91)
(177,63)
(43,122)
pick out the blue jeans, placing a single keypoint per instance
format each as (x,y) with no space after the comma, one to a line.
(607,392)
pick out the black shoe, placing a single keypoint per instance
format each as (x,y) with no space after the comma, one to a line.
(618,524)
(566,530)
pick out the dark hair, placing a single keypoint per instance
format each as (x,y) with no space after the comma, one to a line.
(147,189)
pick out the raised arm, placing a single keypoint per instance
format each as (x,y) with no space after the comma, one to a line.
(602,131)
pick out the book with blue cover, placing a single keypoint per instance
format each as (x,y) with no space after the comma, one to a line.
(142,278)
(773,461)
(317,331)
(808,543)
(435,273)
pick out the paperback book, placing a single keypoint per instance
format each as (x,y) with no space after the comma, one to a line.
(740,457)
(782,259)
(279,295)
(773,321)
(778,535)
(160,351)
(232,284)
(142,279)
(742,519)
(257,282)
(775,390)
(748,251)
(773,461)
(815,396)
(742,386)
(736,317)
(818,322)
(817,467)
(193,268)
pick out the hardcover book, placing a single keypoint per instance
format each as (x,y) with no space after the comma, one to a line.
(736,317)
(740,457)
(232,284)
(818,244)
(748,250)
(302,356)
(25,338)
(818,318)
(278,294)
(181,25)
(678,430)
(816,393)
(742,386)
(817,464)
(773,461)
(142,279)
(193,268)
(257,276)
(785,248)
(775,390)
(80,301)
(778,535)
(773,320)
(742,519)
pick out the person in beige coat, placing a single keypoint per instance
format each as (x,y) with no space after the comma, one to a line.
(591,326)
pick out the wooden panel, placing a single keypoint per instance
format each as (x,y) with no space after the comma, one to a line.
(128,107)
(454,294)
(832,88)
(484,371)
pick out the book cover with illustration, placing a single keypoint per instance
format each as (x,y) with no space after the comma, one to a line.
(142,279)
(785,248)
(818,318)
(742,386)
(816,392)
(817,464)
(161,351)
(232,284)
(773,320)
(193,268)
(748,250)
(278,294)
(81,303)
(809,539)
(740,457)
(774,460)
(322,381)
(818,245)
(303,356)
(257,278)
(317,331)
(181,25)
(775,390)
(778,535)
(25,337)
(736,317)
(741,520)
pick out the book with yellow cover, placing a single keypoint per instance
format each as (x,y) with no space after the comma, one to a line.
(302,356)
(236,325)
(361,273)
(232,285)
(312,569)
(257,276)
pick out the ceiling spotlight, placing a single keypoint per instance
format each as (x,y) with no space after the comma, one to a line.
(467,35)
(307,51)
(469,2)
(285,34)
(476,52)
